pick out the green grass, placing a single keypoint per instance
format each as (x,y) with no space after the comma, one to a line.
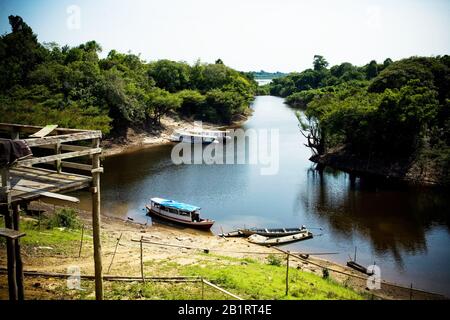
(137,291)
(247,278)
(61,240)
(252,279)
(255,280)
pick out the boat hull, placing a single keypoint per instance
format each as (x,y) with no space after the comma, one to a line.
(193,139)
(270,232)
(258,239)
(202,225)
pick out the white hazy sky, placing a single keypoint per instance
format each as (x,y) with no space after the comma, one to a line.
(247,35)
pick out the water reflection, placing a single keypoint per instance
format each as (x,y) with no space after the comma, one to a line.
(406,230)
(395,221)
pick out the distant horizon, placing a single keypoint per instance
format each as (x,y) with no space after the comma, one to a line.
(247,35)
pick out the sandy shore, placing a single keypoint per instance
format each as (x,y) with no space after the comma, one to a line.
(127,257)
(134,141)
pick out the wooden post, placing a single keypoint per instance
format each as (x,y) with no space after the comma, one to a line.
(15,135)
(355,254)
(203,289)
(81,241)
(10,250)
(142,263)
(95,192)
(11,257)
(287,273)
(19,264)
(411,292)
(58,151)
(114,254)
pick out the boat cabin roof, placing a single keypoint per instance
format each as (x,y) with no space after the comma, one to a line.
(175,204)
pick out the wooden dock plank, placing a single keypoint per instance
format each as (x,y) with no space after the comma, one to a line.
(44,131)
(59,157)
(30,183)
(47,194)
(40,173)
(10,233)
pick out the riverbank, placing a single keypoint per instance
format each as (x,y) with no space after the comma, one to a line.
(413,172)
(135,140)
(245,269)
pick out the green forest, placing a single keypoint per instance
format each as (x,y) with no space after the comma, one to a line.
(45,83)
(396,114)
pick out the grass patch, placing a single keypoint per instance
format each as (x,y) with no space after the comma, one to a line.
(139,291)
(252,279)
(256,280)
(60,239)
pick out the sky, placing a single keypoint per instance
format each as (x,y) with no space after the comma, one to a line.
(248,35)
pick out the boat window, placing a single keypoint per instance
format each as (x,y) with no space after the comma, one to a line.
(173,210)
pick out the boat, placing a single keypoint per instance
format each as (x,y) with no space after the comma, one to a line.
(200,136)
(232,234)
(217,134)
(258,239)
(178,212)
(280,232)
(354,265)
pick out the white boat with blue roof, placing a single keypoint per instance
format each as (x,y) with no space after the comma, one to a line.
(178,212)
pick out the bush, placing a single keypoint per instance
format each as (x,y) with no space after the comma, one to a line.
(325,273)
(65,217)
(274,260)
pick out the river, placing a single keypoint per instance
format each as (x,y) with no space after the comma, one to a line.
(404,230)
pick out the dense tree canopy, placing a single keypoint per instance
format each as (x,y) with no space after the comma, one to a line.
(392,111)
(73,87)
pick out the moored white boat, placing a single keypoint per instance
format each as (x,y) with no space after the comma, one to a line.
(217,134)
(178,212)
(258,239)
(200,136)
(275,232)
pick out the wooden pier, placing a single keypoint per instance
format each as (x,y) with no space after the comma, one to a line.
(45,175)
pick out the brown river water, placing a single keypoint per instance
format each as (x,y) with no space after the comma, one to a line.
(404,230)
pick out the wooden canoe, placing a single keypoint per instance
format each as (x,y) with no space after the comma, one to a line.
(358,267)
(258,239)
(236,233)
(278,232)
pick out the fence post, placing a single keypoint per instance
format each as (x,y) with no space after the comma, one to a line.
(142,263)
(287,273)
(411,292)
(81,241)
(203,289)
(114,254)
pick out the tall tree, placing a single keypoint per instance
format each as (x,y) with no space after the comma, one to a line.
(320,63)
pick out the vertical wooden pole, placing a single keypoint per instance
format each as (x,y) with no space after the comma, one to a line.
(58,162)
(19,264)
(81,240)
(11,259)
(355,254)
(142,262)
(114,254)
(95,191)
(287,273)
(203,289)
(15,135)
(411,292)
(10,250)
